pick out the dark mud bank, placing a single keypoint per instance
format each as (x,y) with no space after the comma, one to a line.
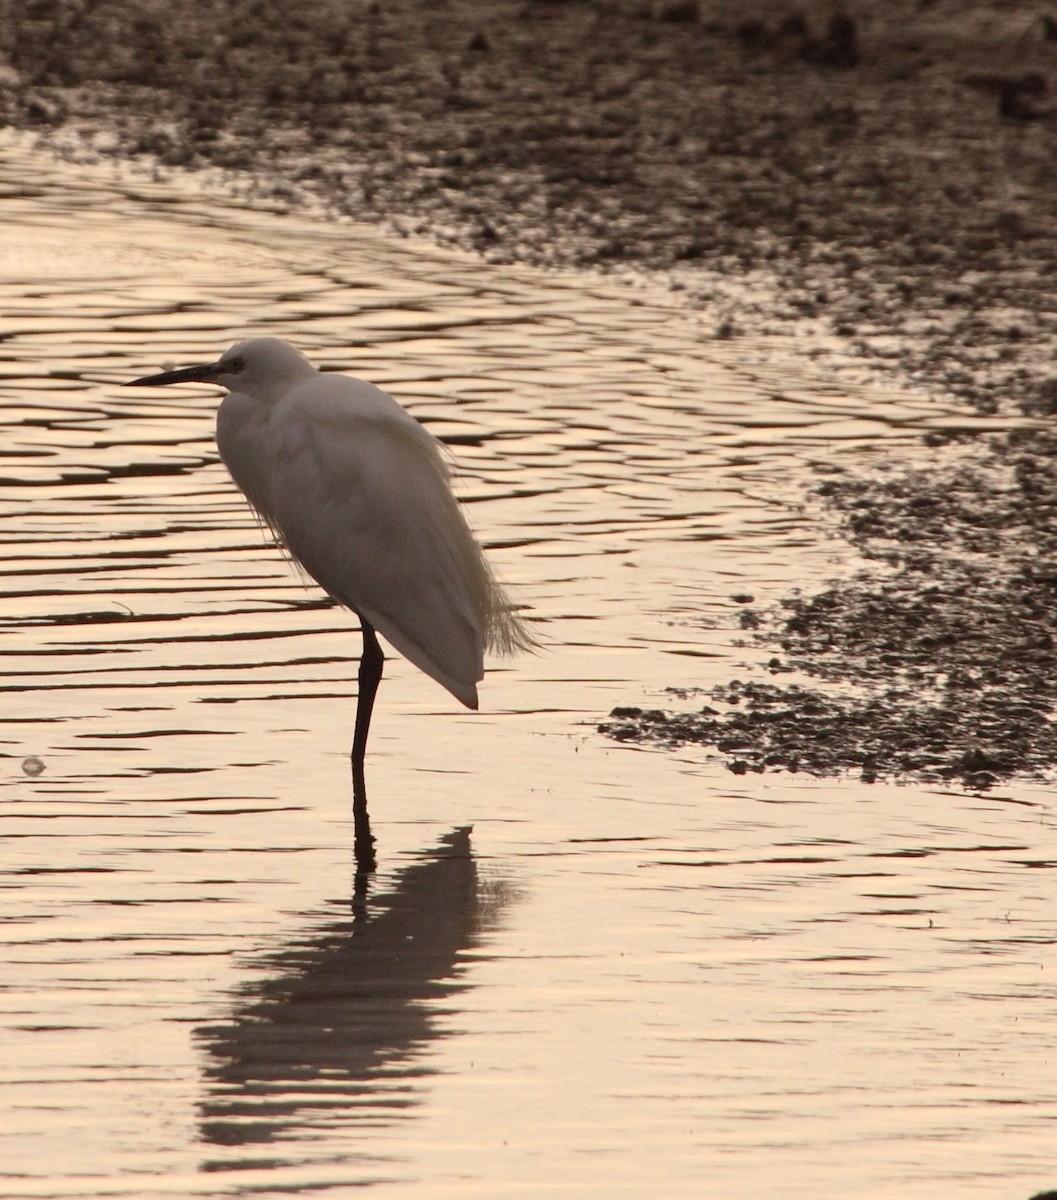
(940,661)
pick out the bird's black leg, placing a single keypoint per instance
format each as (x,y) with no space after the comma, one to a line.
(369,677)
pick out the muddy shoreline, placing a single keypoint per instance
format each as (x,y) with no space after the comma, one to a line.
(875,178)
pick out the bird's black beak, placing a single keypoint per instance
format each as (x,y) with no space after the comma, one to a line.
(203,374)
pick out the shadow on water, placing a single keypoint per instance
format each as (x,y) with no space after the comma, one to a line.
(334,1034)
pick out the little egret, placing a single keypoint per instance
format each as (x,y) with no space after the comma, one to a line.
(357,492)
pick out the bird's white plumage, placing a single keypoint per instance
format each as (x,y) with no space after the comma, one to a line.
(358,493)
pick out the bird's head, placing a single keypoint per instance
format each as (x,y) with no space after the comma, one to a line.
(257,367)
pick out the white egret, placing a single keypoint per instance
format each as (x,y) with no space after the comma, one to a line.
(357,492)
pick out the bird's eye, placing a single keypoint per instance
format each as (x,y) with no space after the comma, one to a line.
(234,365)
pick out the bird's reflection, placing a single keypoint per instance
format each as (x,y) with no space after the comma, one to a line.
(334,1035)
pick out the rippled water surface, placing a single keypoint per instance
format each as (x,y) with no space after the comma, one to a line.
(584,969)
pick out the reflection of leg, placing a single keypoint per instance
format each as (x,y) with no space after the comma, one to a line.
(369,677)
(362,880)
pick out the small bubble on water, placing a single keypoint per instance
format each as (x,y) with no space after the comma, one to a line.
(33,765)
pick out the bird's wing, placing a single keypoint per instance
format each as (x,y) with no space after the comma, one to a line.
(358,492)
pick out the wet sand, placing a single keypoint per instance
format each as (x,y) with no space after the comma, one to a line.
(877,188)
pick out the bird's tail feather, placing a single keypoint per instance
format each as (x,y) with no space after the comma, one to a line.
(505,631)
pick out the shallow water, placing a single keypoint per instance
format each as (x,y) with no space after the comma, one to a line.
(639,974)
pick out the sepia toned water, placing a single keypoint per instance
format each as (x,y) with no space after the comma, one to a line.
(583,969)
